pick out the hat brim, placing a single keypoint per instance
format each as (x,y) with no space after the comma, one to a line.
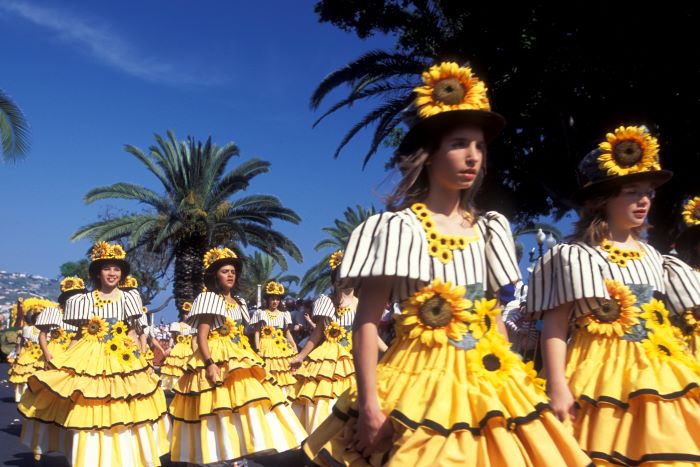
(656,178)
(491,123)
(688,238)
(63,298)
(210,282)
(97,265)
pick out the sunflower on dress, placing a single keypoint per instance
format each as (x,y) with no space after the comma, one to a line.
(28,360)
(174,365)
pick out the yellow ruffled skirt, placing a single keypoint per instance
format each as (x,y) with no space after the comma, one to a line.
(29,360)
(277,355)
(444,413)
(327,373)
(634,407)
(97,405)
(245,413)
(173,366)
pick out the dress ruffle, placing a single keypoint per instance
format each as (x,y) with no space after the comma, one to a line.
(277,361)
(174,365)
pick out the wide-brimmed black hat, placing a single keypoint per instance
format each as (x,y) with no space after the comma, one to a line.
(103,253)
(451,95)
(628,155)
(274,289)
(214,259)
(70,286)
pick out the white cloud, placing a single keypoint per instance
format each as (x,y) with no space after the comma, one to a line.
(105,46)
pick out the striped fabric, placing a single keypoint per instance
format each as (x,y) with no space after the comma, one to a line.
(52,318)
(280,321)
(213,304)
(576,273)
(80,308)
(323,306)
(394,244)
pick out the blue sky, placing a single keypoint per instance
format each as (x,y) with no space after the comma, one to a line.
(94,76)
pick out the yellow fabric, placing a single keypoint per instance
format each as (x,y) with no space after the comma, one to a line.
(174,364)
(694,346)
(90,358)
(244,414)
(443,414)
(24,366)
(55,347)
(277,363)
(632,406)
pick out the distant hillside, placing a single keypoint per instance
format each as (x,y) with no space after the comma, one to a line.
(14,285)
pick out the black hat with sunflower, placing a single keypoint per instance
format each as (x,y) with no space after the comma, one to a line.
(274,289)
(450,94)
(690,235)
(629,154)
(103,253)
(70,286)
(214,259)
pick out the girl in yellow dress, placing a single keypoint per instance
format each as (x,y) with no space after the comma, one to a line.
(30,358)
(99,404)
(51,324)
(448,391)
(174,365)
(226,405)
(273,338)
(615,367)
(688,248)
(146,340)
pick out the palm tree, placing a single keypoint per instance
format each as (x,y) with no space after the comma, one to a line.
(317,279)
(196,209)
(14,129)
(388,76)
(259,269)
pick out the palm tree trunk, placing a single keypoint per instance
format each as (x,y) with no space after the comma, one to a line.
(188,269)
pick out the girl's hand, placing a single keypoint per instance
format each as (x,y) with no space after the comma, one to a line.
(562,402)
(372,428)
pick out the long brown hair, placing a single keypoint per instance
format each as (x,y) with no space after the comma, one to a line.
(592,226)
(414,184)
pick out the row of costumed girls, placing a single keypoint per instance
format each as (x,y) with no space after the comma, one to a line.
(620,325)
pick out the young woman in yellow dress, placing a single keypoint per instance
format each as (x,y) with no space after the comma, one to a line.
(30,358)
(147,341)
(688,248)
(226,405)
(99,404)
(448,391)
(324,367)
(55,334)
(274,340)
(615,367)
(173,367)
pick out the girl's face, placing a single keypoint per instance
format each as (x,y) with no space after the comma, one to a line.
(226,277)
(274,303)
(629,209)
(458,160)
(110,275)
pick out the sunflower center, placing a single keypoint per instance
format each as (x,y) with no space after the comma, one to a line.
(126,357)
(491,362)
(436,312)
(696,313)
(628,153)
(113,347)
(487,322)
(55,334)
(449,91)
(93,328)
(696,213)
(659,317)
(664,349)
(607,312)
(334,332)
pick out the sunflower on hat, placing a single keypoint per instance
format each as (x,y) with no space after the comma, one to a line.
(691,212)
(629,150)
(129,283)
(335,260)
(216,254)
(274,288)
(72,283)
(447,86)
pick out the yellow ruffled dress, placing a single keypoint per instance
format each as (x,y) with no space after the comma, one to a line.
(275,349)
(453,391)
(29,360)
(58,333)
(689,324)
(100,404)
(173,366)
(636,386)
(328,371)
(246,413)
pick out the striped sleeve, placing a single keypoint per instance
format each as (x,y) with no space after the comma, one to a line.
(133,306)
(207,303)
(682,285)
(175,327)
(386,245)
(258,316)
(78,309)
(567,273)
(323,306)
(49,319)
(501,263)
(287,318)
(243,308)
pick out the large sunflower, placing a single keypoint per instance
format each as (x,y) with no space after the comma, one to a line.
(491,360)
(485,313)
(115,346)
(95,329)
(267,331)
(229,327)
(436,313)
(58,334)
(691,212)
(616,316)
(334,332)
(656,316)
(448,86)
(181,339)
(126,357)
(36,352)
(629,150)
(662,347)
(119,329)
(149,355)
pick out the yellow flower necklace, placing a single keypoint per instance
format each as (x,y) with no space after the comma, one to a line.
(272,314)
(99,301)
(620,256)
(440,246)
(342,310)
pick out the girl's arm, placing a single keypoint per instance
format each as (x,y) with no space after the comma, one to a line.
(556,325)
